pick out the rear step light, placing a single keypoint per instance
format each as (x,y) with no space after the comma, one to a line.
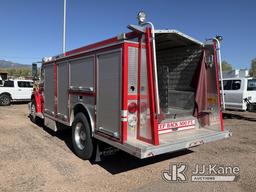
(132,107)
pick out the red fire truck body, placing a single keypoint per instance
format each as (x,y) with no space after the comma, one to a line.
(146,92)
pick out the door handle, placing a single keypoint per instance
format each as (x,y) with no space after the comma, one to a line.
(19,89)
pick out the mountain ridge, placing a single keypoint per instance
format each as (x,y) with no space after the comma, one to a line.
(11,64)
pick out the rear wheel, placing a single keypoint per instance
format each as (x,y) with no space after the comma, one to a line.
(250,107)
(5,100)
(81,137)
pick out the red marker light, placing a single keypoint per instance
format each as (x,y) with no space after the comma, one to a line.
(132,107)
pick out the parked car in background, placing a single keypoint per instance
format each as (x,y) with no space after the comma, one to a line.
(238,91)
(15,90)
(1,81)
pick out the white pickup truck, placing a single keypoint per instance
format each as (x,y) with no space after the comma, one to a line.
(15,90)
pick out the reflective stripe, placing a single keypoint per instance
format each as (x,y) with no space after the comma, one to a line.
(124,113)
(124,119)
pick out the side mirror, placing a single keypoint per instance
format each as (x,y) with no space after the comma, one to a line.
(34,71)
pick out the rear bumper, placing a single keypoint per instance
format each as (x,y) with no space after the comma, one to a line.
(170,142)
(184,144)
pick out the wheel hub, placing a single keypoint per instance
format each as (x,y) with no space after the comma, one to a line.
(5,100)
(80,136)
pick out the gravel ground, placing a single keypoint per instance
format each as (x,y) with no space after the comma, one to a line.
(37,159)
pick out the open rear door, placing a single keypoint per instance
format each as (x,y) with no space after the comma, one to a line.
(213,86)
(147,119)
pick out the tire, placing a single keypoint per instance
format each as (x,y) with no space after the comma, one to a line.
(81,137)
(250,107)
(33,111)
(5,100)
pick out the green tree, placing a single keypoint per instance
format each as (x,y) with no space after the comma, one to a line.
(253,68)
(226,66)
(18,72)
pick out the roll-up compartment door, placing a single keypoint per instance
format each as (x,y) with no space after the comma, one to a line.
(82,72)
(62,94)
(109,92)
(49,89)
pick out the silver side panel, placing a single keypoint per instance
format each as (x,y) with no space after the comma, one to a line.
(82,80)
(49,89)
(63,85)
(82,72)
(88,104)
(109,92)
(86,100)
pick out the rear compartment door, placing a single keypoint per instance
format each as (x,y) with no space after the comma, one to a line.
(49,89)
(214,114)
(109,93)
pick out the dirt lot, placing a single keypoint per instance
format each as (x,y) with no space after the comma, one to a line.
(36,159)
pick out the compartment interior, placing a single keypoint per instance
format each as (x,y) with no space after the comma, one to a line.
(178,58)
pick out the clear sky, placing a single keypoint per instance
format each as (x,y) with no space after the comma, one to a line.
(32,29)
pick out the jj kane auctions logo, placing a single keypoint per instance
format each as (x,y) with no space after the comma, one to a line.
(177,172)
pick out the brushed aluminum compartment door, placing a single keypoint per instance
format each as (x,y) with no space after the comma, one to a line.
(63,84)
(109,93)
(49,90)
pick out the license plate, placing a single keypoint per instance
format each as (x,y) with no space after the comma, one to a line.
(195,143)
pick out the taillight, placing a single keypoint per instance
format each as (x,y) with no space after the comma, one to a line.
(132,107)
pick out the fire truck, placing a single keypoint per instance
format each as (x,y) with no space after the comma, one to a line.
(146,92)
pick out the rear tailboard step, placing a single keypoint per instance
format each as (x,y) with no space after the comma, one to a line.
(178,141)
(169,142)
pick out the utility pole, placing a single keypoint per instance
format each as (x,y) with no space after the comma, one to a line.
(64,27)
